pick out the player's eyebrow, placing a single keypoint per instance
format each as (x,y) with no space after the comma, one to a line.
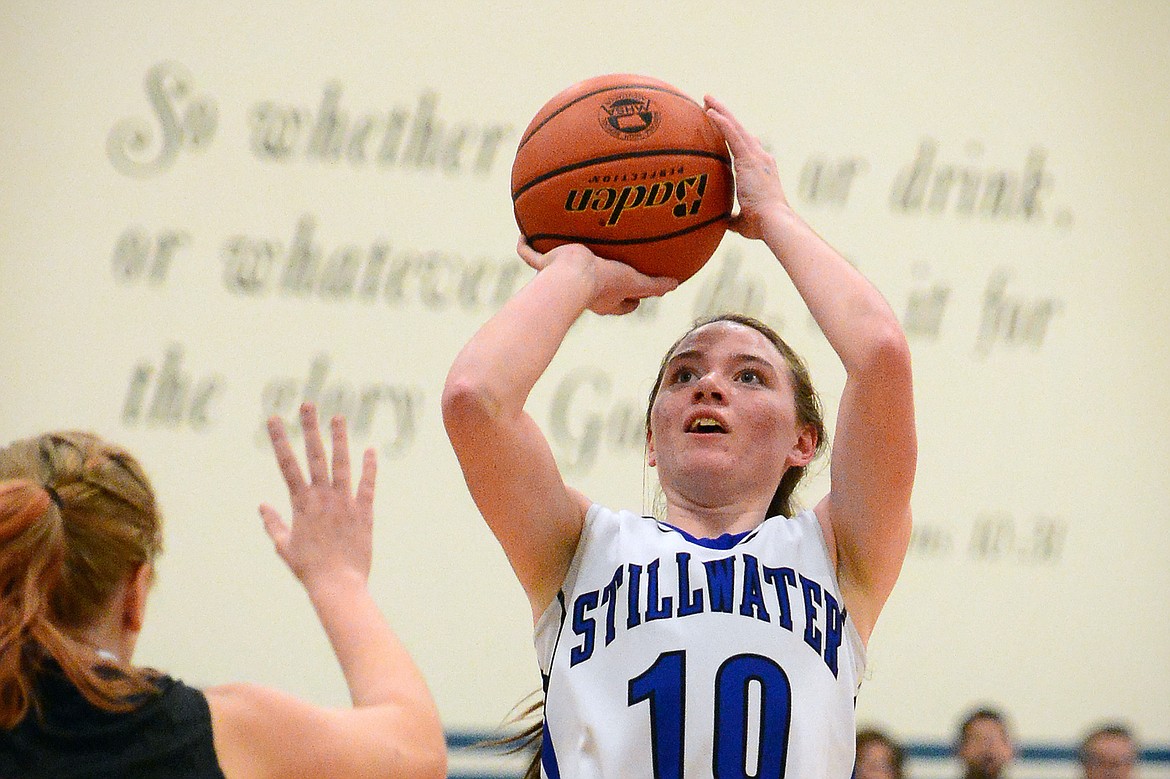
(741,357)
(686,354)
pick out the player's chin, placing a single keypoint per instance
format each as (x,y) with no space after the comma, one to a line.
(707,460)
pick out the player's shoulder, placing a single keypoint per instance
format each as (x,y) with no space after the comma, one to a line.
(601,517)
(607,531)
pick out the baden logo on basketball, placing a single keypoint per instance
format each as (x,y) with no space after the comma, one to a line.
(685,194)
(629,117)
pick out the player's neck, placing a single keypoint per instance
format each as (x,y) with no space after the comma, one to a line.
(712,522)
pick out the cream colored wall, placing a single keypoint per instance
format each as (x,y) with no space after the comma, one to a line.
(1038,573)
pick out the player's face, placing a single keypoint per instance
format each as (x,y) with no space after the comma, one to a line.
(723,425)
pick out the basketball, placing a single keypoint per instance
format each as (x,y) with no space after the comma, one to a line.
(630,167)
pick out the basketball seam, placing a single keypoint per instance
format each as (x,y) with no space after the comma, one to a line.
(625,241)
(615,158)
(573,102)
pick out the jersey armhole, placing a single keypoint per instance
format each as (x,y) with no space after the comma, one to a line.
(548,625)
(858,651)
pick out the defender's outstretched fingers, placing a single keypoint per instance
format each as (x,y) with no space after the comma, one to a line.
(314,447)
(341,474)
(276,529)
(365,488)
(286,460)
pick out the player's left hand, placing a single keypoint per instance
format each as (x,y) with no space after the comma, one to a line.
(757,183)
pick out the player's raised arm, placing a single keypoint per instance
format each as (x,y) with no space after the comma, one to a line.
(867,512)
(509,467)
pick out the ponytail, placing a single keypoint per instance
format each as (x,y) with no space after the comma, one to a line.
(32,550)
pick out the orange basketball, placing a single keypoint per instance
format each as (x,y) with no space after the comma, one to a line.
(630,167)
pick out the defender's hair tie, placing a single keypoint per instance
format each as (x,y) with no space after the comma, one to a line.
(53,496)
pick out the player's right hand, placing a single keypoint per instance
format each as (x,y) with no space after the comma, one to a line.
(616,287)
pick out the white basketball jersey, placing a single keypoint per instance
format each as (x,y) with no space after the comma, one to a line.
(668,656)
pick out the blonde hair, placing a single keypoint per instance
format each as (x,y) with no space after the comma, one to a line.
(77,517)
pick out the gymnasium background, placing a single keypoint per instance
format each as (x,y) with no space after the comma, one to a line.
(212,210)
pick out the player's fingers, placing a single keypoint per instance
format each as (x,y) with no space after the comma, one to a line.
(627,306)
(285,459)
(341,474)
(314,447)
(275,528)
(742,143)
(733,131)
(724,115)
(531,257)
(710,101)
(365,488)
(643,286)
(743,226)
(656,286)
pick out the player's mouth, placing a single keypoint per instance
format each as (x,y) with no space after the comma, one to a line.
(706,425)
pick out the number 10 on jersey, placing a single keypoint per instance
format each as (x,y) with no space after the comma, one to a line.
(663,687)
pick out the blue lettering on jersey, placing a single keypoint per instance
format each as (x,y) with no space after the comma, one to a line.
(655,608)
(634,617)
(782,579)
(609,597)
(583,626)
(689,601)
(752,604)
(721,583)
(812,599)
(645,601)
(834,627)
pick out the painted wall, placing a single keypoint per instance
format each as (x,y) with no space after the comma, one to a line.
(211,211)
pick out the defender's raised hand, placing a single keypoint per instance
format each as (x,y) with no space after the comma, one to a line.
(332,528)
(393,728)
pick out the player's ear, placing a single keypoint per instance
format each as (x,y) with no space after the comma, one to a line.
(137,590)
(805,447)
(651,458)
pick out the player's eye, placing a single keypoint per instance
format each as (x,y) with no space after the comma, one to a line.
(684,375)
(750,376)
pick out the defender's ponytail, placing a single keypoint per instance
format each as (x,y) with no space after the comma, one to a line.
(32,550)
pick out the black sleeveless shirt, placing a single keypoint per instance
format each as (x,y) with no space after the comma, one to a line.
(167,737)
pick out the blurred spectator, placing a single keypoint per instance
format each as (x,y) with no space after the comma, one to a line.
(1109,752)
(878,756)
(985,744)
